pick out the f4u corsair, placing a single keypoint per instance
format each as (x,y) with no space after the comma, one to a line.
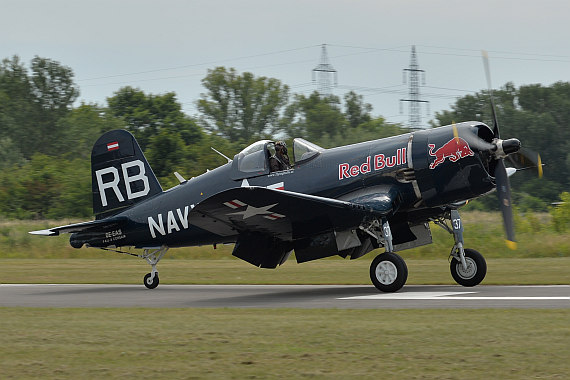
(343,201)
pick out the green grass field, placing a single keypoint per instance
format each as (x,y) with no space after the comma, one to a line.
(266,344)
(287,343)
(542,257)
(129,270)
(483,232)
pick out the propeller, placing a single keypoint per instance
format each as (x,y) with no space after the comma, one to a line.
(498,151)
(526,159)
(503,149)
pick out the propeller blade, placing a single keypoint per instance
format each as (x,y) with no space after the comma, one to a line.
(504,194)
(526,159)
(455,132)
(490,88)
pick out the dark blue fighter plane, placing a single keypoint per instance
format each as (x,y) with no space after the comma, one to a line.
(343,201)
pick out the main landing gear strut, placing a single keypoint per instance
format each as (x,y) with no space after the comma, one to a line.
(388,270)
(467,266)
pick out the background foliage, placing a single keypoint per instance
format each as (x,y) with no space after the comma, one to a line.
(45,141)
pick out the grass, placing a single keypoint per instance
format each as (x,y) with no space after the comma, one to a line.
(286,343)
(239,344)
(234,271)
(543,257)
(483,231)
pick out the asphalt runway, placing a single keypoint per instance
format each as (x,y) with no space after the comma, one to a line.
(283,296)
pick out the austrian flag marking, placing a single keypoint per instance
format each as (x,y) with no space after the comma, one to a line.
(112,146)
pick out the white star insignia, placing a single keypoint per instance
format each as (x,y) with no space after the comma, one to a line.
(253,211)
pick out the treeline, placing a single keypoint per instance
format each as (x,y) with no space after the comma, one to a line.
(45,142)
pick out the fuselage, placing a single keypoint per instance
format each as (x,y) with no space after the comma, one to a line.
(406,161)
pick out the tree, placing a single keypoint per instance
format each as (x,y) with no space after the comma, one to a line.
(146,116)
(166,152)
(314,117)
(356,111)
(241,107)
(46,187)
(80,128)
(15,105)
(33,104)
(52,86)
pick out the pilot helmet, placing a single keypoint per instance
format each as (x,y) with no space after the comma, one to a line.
(281,146)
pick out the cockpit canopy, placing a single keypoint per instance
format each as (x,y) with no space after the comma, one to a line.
(253,161)
(304,150)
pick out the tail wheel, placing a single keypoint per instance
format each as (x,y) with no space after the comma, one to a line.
(151,284)
(475,271)
(388,272)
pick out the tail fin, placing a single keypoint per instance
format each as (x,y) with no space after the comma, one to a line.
(121,175)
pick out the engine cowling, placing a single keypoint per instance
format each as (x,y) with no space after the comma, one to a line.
(448,168)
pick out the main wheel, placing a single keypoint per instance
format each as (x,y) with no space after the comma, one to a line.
(388,272)
(475,272)
(151,284)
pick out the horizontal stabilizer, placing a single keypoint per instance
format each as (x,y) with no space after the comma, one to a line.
(78,227)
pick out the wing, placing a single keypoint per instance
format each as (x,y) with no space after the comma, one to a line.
(270,223)
(78,227)
(284,214)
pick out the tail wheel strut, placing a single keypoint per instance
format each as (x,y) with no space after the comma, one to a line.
(153,256)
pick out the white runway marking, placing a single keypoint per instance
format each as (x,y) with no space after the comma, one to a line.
(405,296)
(445,296)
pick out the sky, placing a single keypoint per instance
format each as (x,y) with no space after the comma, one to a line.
(169,45)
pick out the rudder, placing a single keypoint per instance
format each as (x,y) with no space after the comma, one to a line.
(121,175)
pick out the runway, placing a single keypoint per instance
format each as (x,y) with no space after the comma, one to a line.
(283,296)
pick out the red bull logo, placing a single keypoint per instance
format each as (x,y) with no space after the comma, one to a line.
(454,149)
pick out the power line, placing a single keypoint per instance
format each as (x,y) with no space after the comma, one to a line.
(478,51)
(368,51)
(199,64)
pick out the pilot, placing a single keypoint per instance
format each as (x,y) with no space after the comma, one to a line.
(280,160)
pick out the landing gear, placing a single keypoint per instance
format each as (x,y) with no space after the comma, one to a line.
(151,282)
(475,271)
(467,266)
(153,256)
(388,270)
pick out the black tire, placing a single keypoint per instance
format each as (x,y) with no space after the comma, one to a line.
(388,272)
(148,283)
(476,269)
